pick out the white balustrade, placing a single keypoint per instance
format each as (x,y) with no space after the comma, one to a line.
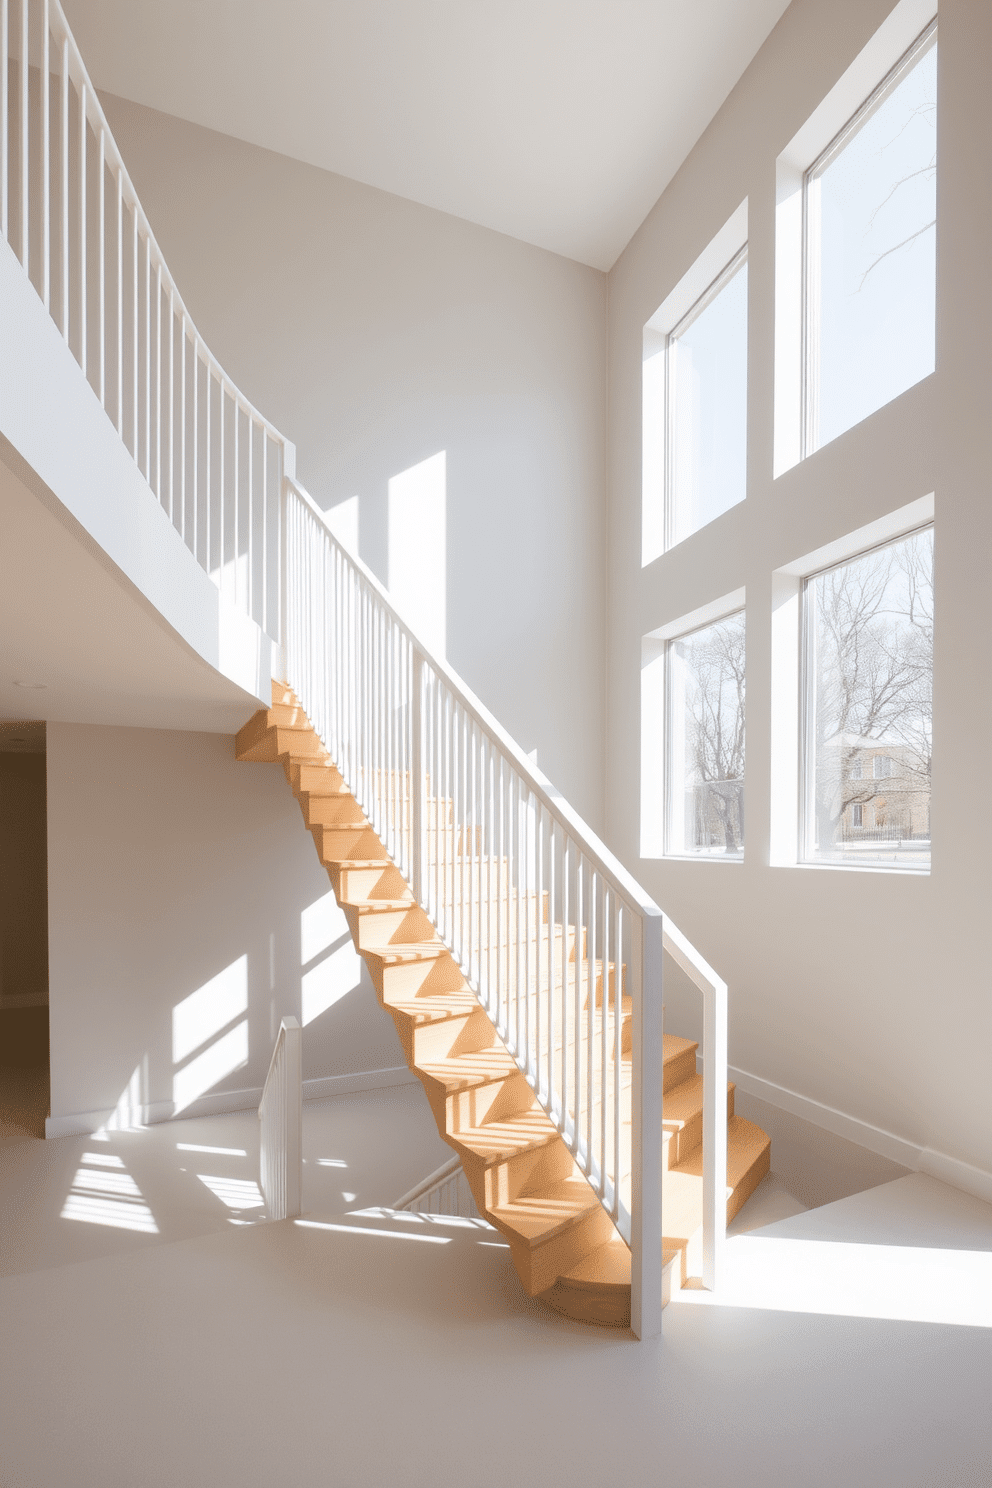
(560,943)
(280,1112)
(445,1191)
(70,213)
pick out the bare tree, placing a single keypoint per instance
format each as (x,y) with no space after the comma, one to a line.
(873,674)
(715,731)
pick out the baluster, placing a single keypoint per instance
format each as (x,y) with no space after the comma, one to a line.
(46,165)
(120,301)
(83,286)
(24,142)
(4,118)
(64,192)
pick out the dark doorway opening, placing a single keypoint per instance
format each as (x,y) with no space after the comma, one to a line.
(25,1084)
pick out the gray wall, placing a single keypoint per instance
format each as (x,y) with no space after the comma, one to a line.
(375,333)
(169,861)
(867,993)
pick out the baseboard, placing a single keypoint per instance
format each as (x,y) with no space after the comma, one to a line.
(950,1170)
(223,1103)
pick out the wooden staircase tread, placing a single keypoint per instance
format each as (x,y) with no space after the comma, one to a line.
(675,1047)
(407,952)
(468,1071)
(437,1009)
(539,1217)
(497,1141)
(606,1267)
(685,1102)
(745,1145)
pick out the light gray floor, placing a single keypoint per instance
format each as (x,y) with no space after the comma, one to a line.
(366,1348)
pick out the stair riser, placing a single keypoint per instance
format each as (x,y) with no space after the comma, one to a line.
(401,980)
(429,1042)
(331,811)
(495,1184)
(682,1143)
(370,883)
(387,927)
(677,1070)
(313,779)
(496,1101)
(539,1266)
(338,844)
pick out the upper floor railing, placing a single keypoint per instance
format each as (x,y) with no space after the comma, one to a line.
(69,211)
(560,943)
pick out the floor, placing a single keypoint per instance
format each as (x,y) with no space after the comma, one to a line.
(156,1333)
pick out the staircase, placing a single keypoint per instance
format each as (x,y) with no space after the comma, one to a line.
(521,961)
(523,1177)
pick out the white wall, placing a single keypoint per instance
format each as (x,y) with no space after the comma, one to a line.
(376,333)
(168,863)
(867,993)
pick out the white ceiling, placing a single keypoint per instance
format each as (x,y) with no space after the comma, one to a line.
(80,645)
(559,122)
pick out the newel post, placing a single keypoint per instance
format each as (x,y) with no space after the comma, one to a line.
(648,1077)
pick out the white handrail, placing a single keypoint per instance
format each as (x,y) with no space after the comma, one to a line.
(544,921)
(445,1191)
(280,1112)
(70,212)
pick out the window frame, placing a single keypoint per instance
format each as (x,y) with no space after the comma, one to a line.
(807,672)
(810,275)
(729,271)
(668,792)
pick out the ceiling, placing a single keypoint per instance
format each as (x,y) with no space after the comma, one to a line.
(80,645)
(559,122)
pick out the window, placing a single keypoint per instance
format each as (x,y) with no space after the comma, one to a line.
(705,741)
(868,682)
(706,405)
(869,213)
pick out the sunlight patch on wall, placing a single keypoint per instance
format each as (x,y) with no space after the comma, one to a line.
(209,1068)
(210,1008)
(130,1109)
(323,928)
(199,1018)
(418,548)
(330,980)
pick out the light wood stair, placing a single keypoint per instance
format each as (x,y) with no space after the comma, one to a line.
(523,1177)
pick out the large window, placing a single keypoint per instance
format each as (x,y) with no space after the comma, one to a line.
(868,657)
(706,377)
(705,741)
(870,261)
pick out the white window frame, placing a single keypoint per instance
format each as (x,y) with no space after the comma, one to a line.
(809,420)
(727,273)
(695,283)
(807,775)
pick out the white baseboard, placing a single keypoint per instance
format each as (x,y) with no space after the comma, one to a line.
(224,1103)
(950,1170)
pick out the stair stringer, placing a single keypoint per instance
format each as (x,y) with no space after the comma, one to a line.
(521,1172)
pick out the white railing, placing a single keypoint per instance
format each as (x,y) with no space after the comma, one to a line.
(444,1192)
(280,1112)
(563,947)
(70,213)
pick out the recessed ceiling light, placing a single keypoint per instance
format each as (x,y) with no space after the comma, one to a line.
(33,686)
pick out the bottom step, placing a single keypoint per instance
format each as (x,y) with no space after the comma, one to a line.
(597,1290)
